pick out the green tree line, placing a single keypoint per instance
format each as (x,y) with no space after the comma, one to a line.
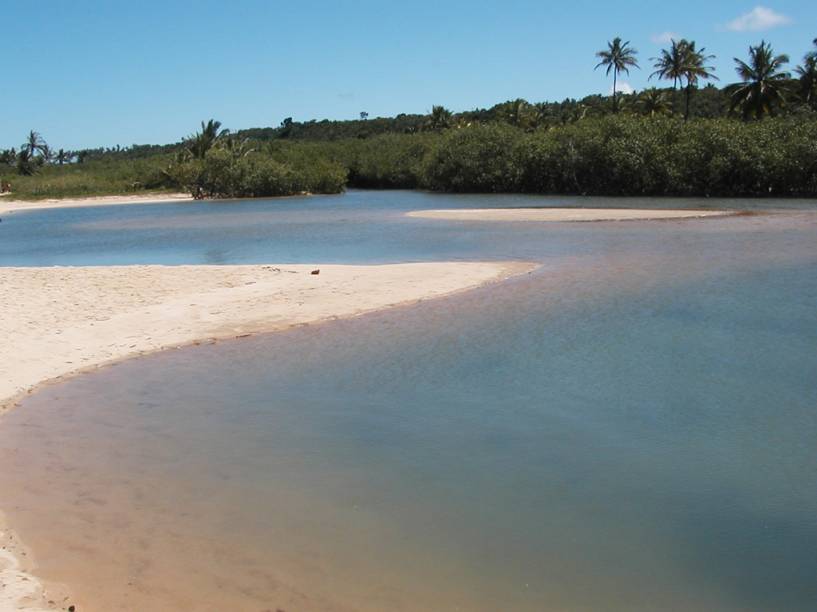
(612,155)
(756,136)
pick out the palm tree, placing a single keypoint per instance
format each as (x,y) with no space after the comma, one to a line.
(670,64)
(618,57)
(762,82)
(542,114)
(808,80)
(440,118)
(813,53)
(574,114)
(63,156)
(34,143)
(199,143)
(8,156)
(653,102)
(25,163)
(517,112)
(695,69)
(807,76)
(236,147)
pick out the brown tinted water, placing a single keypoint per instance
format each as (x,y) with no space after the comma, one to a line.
(632,427)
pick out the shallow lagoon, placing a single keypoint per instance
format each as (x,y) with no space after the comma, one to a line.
(631,427)
(356,227)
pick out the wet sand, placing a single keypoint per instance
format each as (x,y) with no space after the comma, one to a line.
(562,214)
(58,321)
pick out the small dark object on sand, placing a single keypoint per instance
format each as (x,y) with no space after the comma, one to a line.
(71,609)
(316,272)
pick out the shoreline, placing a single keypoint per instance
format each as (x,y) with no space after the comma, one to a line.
(572,215)
(9,205)
(549,214)
(66,321)
(123,200)
(440,279)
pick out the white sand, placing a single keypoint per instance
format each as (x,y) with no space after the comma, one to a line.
(58,321)
(55,321)
(562,214)
(8,204)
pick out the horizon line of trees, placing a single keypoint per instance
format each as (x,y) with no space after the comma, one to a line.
(762,90)
(615,154)
(33,154)
(214,162)
(611,155)
(765,89)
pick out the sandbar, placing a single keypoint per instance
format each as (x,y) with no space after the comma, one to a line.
(8,204)
(563,214)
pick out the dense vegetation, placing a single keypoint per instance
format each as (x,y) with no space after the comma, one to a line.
(214,164)
(627,156)
(754,137)
(99,177)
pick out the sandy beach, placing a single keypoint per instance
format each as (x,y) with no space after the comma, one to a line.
(61,321)
(562,214)
(56,321)
(8,204)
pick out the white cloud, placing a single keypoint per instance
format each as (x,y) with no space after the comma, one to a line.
(622,88)
(759,18)
(664,38)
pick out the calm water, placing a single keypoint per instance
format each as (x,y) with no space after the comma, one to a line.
(632,427)
(360,226)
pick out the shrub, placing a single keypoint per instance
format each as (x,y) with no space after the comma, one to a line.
(480,158)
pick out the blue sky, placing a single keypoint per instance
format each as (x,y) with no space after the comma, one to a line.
(90,73)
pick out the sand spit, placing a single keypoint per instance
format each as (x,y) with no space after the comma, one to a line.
(562,214)
(56,322)
(60,320)
(8,204)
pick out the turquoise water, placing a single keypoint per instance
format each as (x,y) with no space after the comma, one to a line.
(631,427)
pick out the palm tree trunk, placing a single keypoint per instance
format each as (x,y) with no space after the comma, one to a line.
(688,94)
(674,92)
(615,80)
